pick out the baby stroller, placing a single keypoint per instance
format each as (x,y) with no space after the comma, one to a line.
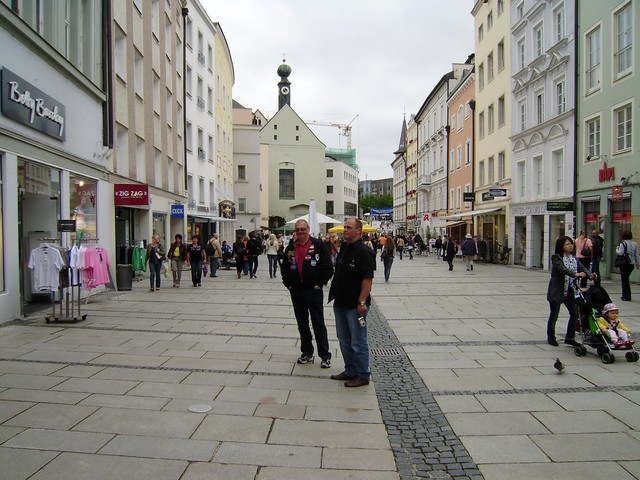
(590,304)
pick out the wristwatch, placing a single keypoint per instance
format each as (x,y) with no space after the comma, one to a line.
(363,303)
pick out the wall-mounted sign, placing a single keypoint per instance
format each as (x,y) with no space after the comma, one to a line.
(468,196)
(29,105)
(606,173)
(177,210)
(131,195)
(487,196)
(66,225)
(559,206)
(498,192)
(617,193)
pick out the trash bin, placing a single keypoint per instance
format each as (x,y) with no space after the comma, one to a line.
(124,276)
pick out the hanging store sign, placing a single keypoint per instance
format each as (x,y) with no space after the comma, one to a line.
(66,225)
(131,195)
(468,196)
(177,210)
(30,106)
(559,206)
(617,194)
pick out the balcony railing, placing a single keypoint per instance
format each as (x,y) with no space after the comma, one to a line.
(201,104)
(201,58)
(201,154)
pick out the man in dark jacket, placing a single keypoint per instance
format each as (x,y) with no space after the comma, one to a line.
(254,249)
(469,250)
(450,249)
(350,292)
(306,268)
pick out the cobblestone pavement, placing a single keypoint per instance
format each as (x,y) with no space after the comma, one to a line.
(463,387)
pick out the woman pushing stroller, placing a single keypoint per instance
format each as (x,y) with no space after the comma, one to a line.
(564,268)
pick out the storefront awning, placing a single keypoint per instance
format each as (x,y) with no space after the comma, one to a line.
(472,213)
(453,224)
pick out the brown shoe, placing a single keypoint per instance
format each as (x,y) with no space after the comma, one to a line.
(341,376)
(357,382)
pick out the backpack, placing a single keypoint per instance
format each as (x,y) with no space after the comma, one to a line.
(209,250)
(254,247)
(240,251)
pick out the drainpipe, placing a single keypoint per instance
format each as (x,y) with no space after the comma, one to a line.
(185,12)
(576,117)
(107,77)
(472,106)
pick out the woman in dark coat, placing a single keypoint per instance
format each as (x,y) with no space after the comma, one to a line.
(564,267)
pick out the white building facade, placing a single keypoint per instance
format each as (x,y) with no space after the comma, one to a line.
(543,128)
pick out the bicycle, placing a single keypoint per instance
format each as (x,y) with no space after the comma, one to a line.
(502,255)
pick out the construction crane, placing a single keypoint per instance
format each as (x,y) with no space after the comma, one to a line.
(346,128)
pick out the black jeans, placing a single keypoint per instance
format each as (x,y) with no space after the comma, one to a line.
(253,265)
(625,273)
(554,310)
(308,302)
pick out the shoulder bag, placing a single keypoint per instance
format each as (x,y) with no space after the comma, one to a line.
(622,260)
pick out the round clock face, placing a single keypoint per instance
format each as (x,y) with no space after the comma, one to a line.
(284,90)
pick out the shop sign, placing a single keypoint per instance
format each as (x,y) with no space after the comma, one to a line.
(497,192)
(606,173)
(131,195)
(30,106)
(487,196)
(425,217)
(66,225)
(227,209)
(559,206)
(177,210)
(468,196)
(617,194)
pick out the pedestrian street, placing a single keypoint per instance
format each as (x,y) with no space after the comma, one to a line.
(195,383)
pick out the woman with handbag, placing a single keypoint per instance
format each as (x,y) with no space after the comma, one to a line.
(627,248)
(155,257)
(584,252)
(564,268)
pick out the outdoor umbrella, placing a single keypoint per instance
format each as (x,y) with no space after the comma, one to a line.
(365,229)
(314,224)
(321,219)
(284,229)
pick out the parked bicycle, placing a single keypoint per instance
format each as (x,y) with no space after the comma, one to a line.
(502,255)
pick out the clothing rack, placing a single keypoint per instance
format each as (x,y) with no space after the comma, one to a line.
(69,296)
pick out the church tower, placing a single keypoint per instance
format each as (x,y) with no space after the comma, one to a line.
(284,85)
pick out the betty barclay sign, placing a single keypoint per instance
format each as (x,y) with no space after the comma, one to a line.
(27,104)
(131,195)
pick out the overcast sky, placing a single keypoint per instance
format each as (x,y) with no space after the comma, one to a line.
(377,59)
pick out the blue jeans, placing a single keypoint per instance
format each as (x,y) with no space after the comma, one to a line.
(154,269)
(353,342)
(196,273)
(214,266)
(388,261)
(273,265)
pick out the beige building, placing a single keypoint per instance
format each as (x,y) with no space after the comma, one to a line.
(148,161)
(412,218)
(493,102)
(399,167)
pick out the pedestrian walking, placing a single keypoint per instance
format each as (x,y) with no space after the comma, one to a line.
(630,248)
(178,255)
(386,254)
(155,257)
(564,268)
(410,247)
(400,245)
(306,270)
(584,252)
(240,253)
(272,255)
(350,292)
(254,250)
(438,246)
(196,256)
(449,250)
(214,254)
(469,250)
(598,249)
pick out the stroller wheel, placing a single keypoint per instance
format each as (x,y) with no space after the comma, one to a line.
(630,357)
(579,351)
(608,358)
(583,350)
(636,356)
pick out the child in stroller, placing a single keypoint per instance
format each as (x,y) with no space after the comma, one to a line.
(592,303)
(611,326)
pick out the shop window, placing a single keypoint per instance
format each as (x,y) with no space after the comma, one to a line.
(591,211)
(82,205)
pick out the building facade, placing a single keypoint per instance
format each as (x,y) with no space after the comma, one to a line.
(54,149)
(461,104)
(400,192)
(492,169)
(542,125)
(608,130)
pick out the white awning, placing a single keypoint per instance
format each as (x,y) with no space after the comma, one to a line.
(453,224)
(472,213)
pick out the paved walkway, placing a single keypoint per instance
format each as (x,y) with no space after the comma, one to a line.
(464,387)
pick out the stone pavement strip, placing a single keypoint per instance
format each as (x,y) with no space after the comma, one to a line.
(463,387)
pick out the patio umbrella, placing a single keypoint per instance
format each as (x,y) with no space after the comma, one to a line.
(284,229)
(321,219)
(366,228)
(314,224)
